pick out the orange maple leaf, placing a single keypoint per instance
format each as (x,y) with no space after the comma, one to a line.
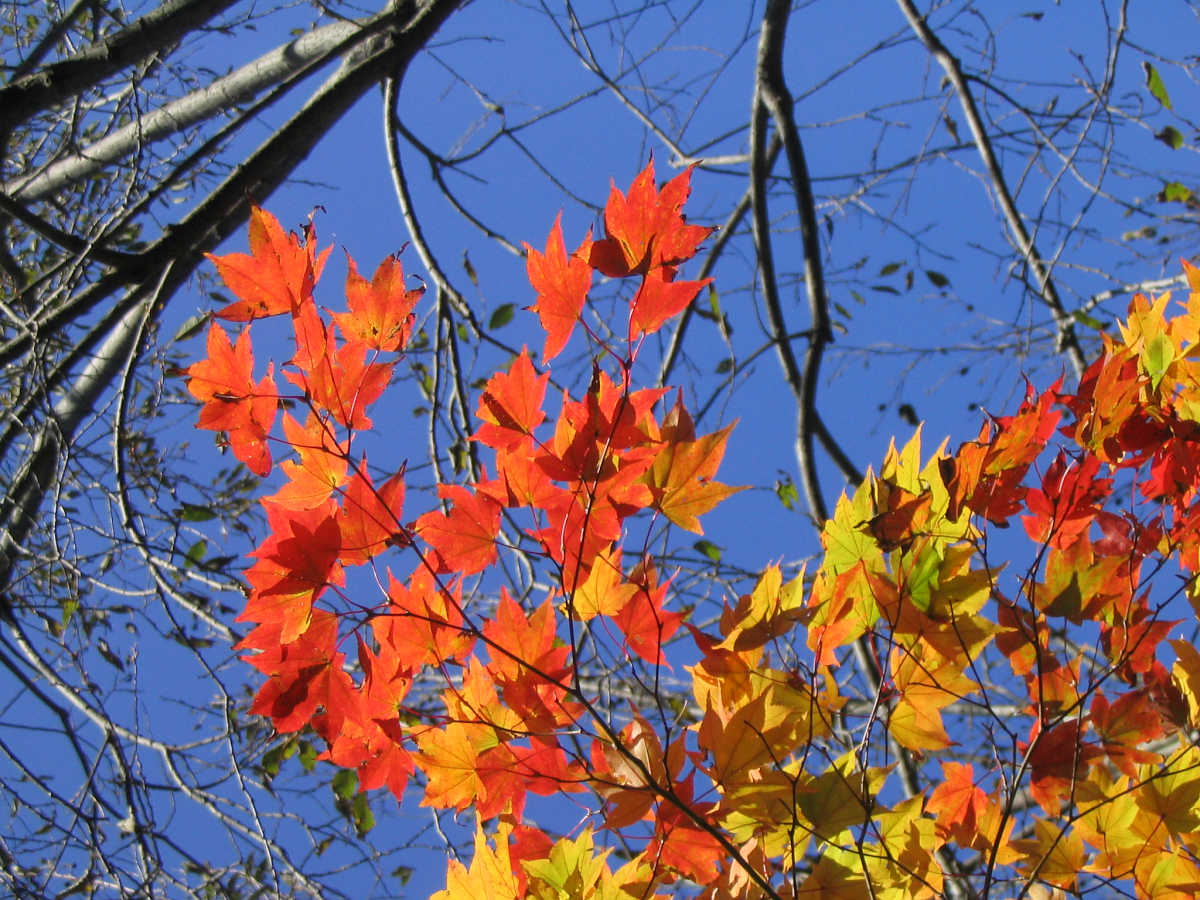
(680,476)
(279,273)
(380,313)
(321,469)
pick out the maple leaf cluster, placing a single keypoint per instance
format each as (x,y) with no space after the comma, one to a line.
(773,778)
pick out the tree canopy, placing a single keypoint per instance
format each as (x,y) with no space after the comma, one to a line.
(909,214)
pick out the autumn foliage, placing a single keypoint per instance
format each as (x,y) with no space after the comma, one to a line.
(1032,726)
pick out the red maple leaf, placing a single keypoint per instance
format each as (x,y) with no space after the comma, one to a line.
(295,564)
(464,540)
(304,674)
(280,271)
(370,519)
(646,229)
(339,380)
(562,284)
(233,401)
(643,621)
(511,405)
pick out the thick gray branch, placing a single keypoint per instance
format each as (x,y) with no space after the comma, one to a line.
(226,92)
(58,82)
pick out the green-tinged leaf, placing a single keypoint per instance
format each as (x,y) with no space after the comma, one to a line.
(470,269)
(937,279)
(785,490)
(841,310)
(345,784)
(360,810)
(308,756)
(1174,192)
(1154,84)
(1084,319)
(191,512)
(889,269)
(884,289)
(196,552)
(273,758)
(403,873)
(502,315)
(1158,355)
(191,327)
(460,456)
(709,549)
(859,298)
(69,608)
(1171,137)
(724,366)
(714,302)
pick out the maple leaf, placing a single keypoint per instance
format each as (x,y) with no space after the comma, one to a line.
(370,519)
(295,564)
(562,285)
(680,476)
(464,540)
(233,401)
(604,592)
(658,299)
(958,802)
(643,621)
(305,674)
(380,315)
(646,228)
(490,876)
(321,469)
(338,380)
(1058,759)
(422,623)
(278,274)
(511,406)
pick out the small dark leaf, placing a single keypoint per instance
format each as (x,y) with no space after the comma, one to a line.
(190,512)
(724,366)
(1154,84)
(908,414)
(1171,137)
(889,269)
(786,491)
(195,554)
(345,784)
(937,279)
(360,810)
(709,549)
(502,315)
(1174,192)
(190,328)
